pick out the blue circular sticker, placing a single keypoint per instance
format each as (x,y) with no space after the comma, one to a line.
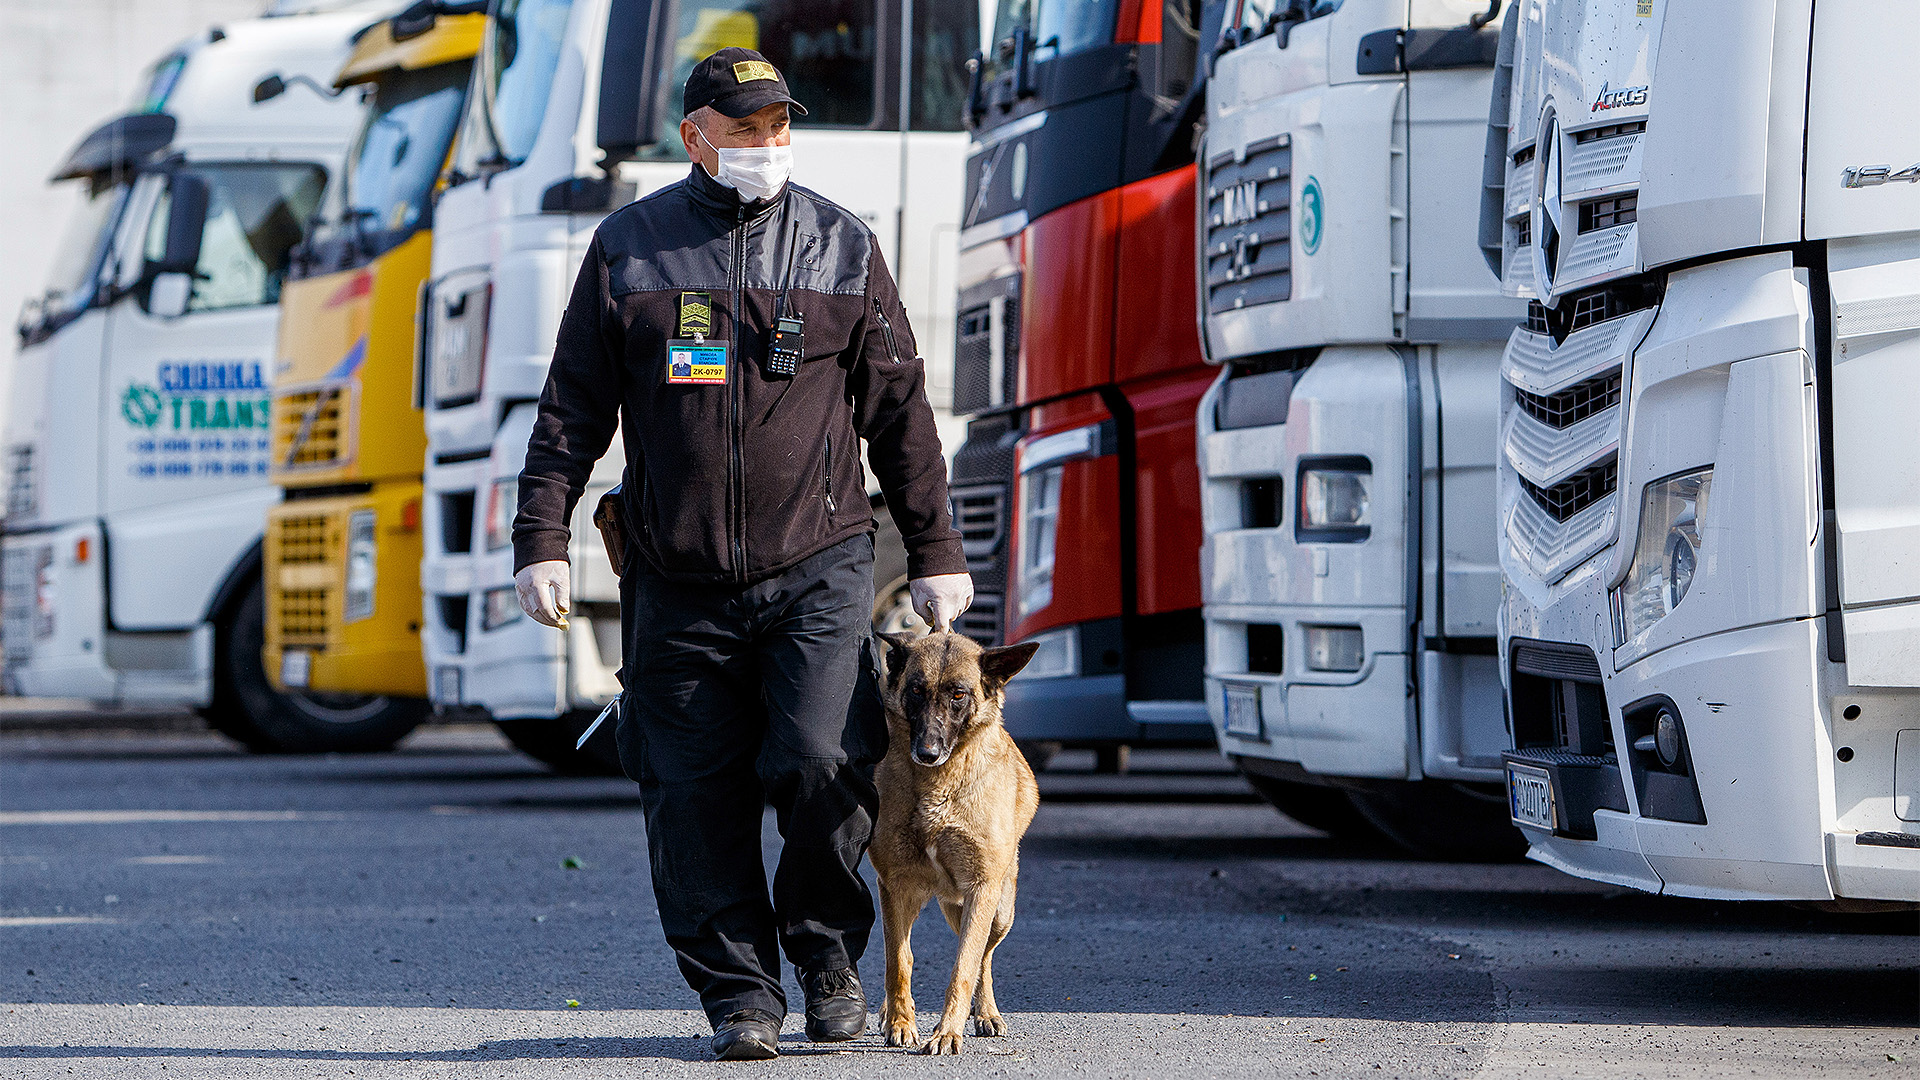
(1311,215)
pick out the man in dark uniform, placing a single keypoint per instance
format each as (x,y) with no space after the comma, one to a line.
(745,335)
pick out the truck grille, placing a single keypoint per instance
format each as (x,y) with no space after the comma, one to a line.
(1249,222)
(1574,404)
(981,622)
(982,481)
(24,620)
(986,346)
(1576,492)
(310,428)
(23,494)
(301,605)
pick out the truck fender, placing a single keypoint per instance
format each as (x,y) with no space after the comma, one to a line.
(234,585)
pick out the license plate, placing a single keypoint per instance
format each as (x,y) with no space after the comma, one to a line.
(446,686)
(296,667)
(1243,711)
(1530,796)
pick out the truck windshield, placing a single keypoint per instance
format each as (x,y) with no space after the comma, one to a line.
(825,48)
(398,155)
(76,262)
(1256,17)
(515,79)
(1059,28)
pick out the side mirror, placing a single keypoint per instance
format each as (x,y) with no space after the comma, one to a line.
(189,198)
(269,88)
(168,294)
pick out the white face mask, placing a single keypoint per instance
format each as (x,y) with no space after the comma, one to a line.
(756,172)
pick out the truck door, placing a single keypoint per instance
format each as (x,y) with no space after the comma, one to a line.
(1862,199)
(184,443)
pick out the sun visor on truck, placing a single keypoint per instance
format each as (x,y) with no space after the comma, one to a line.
(426,35)
(118,146)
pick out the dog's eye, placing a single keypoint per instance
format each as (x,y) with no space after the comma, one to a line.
(916,693)
(959,693)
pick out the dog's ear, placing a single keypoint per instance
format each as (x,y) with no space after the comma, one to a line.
(897,645)
(1001,664)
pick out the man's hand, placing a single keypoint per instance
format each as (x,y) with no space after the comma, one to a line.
(941,598)
(544,589)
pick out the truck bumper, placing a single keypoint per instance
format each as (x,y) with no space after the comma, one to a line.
(1095,709)
(53,607)
(343,593)
(1784,814)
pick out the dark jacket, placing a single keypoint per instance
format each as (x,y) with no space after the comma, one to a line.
(735,483)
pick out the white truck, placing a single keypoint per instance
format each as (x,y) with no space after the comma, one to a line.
(574,112)
(1709,474)
(136,448)
(1346,450)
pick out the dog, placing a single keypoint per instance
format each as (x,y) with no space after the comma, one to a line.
(956,796)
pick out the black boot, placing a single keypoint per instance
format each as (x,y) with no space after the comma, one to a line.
(748,1035)
(836,1006)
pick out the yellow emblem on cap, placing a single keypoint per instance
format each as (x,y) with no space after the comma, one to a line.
(751,70)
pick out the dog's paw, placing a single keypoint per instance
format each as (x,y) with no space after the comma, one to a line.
(903,1033)
(989,1026)
(943,1043)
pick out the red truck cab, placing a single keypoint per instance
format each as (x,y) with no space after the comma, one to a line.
(1077,490)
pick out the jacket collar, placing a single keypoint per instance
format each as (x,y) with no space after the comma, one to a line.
(723,202)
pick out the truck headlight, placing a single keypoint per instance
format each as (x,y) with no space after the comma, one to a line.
(503,498)
(1335,500)
(1039,533)
(498,607)
(1057,657)
(362,567)
(1666,554)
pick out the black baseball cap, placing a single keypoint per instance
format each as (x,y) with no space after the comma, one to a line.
(736,83)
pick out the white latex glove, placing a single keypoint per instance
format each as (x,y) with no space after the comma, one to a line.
(544,589)
(941,598)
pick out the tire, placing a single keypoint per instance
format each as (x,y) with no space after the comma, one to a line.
(893,609)
(247,709)
(1039,754)
(1443,821)
(549,740)
(1315,806)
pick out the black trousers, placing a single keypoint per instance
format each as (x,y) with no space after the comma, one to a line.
(738,697)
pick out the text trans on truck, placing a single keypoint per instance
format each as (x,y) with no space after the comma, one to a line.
(138,445)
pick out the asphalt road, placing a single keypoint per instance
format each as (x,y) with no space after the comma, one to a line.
(172,907)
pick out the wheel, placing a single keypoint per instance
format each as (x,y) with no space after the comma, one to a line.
(549,740)
(247,708)
(893,610)
(1039,754)
(1315,806)
(1112,760)
(1442,820)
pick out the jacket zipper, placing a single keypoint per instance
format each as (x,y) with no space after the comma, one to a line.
(736,374)
(831,508)
(886,328)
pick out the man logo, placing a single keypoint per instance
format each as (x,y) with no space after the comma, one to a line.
(1312,213)
(1240,203)
(754,70)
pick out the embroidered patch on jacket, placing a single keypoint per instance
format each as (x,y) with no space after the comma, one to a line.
(696,314)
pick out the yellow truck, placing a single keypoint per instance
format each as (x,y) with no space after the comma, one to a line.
(342,550)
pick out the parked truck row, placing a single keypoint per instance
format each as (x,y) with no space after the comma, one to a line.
(1478,420)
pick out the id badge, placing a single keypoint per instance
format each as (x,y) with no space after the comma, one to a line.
(697,363)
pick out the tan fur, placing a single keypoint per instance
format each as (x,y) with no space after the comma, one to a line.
(949,831)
